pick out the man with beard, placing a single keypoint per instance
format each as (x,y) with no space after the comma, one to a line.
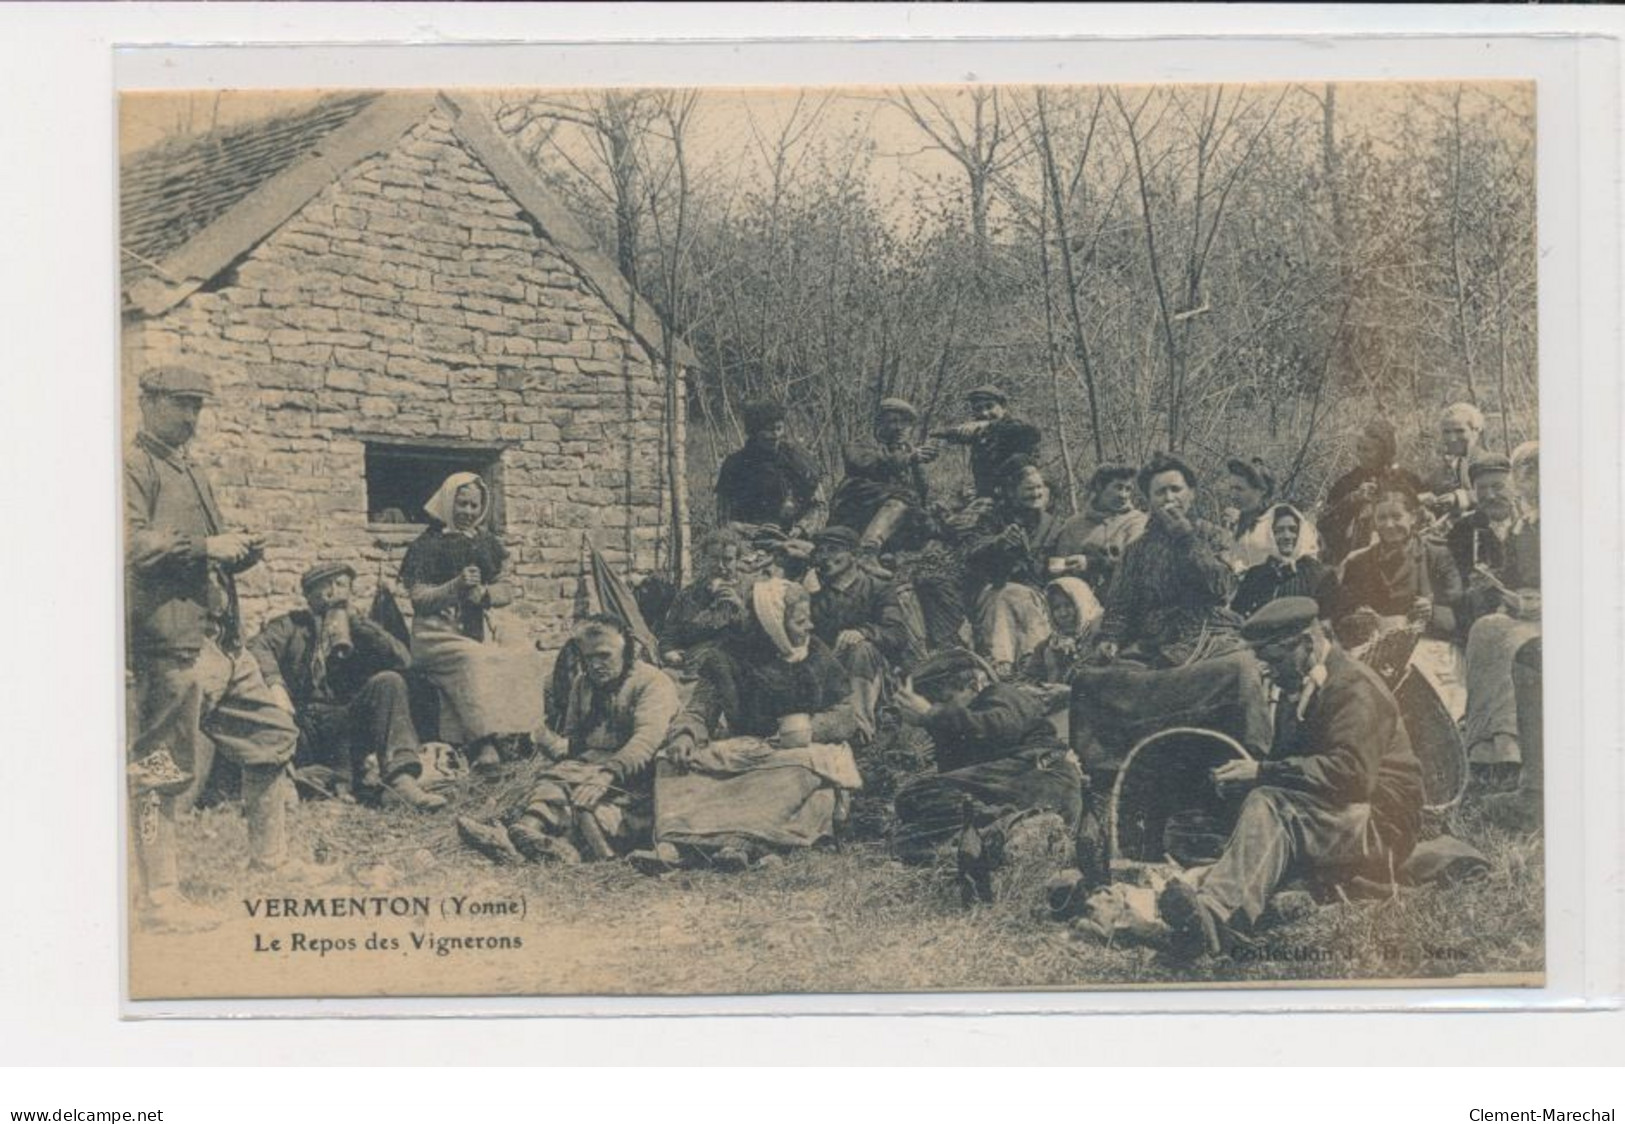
(595,799)
(993,435)
(1498,556)
(771,481)
(339,675)
(197,693)
(1339,796)
(1090,544)
(861,620)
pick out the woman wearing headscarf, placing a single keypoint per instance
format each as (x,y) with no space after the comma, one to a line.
(1291,570)
(1250,488)
(757,760)
(1074,614)
(1346,519)
(452,572)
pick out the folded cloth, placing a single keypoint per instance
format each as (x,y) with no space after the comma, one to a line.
(729,756)
(749,788)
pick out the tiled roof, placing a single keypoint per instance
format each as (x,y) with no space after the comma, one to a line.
(171,191)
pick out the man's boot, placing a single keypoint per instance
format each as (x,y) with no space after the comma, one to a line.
(163,908)
(406,787)
(265,806)
(1523,810)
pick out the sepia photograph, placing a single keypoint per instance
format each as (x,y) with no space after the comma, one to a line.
(733,541)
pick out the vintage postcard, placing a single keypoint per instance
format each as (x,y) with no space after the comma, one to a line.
(711,541)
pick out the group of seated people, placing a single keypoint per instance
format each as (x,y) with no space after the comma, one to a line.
(1031,648)
(813,623)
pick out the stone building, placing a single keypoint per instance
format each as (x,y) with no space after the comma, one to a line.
(385,293)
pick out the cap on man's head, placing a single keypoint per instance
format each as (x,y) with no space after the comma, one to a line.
(836,538)
(177,382)
(323,571)
(1487,465)
(898,406)
(987,392)
(1281,619)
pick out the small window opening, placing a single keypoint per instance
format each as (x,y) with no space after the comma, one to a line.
(402,477)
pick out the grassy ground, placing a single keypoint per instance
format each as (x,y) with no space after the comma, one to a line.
(854,920)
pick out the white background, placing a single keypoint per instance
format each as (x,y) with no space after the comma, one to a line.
(59,839)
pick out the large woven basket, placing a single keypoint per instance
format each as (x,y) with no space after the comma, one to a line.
(1168,776)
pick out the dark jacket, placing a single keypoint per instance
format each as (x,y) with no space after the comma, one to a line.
(778,487)
(993,444)
(1272,580)
(874,475)
(1389,583)
(698,616)
(1169,592)
(1345,521)
(174,595)
(1351,748)
(286,652)
(993,557)
(438,555)
(749,686)
(1000,721)
(1515,561)
(870,606)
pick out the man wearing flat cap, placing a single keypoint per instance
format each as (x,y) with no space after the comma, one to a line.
(994,436)
(771,481)
(861,619)
(883,495)
(1494,550)
(1497,551)
(197,693)
(339,675)
(1339,796)
(993,747)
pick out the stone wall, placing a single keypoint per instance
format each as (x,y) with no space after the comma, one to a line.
(413,299)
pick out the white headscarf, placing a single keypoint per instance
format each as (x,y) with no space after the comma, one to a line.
(1083,599)
(769,600)
(1308,538)
(440,505)
(1257,543)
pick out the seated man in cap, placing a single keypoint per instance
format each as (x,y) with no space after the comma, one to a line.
(1339,796)
(770,482)
(595,799)
(995,751)
(993,436)
(1497,552)
(339,675)
(197,694)
(884,492)
(861,620)
(1090,543)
